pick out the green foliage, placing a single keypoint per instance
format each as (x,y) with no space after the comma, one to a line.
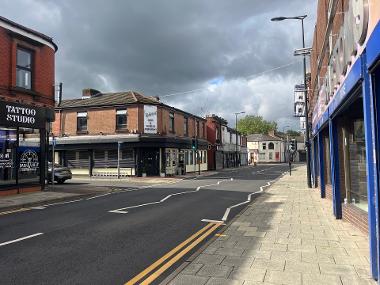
(255,125)
(293,133)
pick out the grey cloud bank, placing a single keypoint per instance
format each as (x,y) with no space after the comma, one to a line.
(163,47)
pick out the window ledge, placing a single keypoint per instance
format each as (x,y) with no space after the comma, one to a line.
(121,130)
(82,132)
(29,92)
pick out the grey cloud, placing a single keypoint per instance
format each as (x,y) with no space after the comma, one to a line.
(161,47)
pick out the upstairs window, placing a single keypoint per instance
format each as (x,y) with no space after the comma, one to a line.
(24,68)
(82,121)
(186,127)
(197,127)
(270,145)
(264,146)
(203,130)
(121,119)
(171,122)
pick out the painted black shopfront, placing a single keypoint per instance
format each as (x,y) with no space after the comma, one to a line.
(135,154)
(22,145)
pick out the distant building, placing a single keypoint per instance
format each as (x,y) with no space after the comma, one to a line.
(227,147)
(265,148)
(100,131)
(26,106)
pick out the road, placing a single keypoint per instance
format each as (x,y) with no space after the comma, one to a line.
(111,238)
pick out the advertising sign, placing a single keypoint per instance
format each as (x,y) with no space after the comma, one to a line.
(20,115)
(150,119)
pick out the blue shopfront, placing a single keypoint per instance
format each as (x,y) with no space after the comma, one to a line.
(346,144)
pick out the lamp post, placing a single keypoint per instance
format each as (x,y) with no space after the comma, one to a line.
(236,136)
(307,142)
(286,142)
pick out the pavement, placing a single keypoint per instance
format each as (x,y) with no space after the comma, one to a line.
(118,236)
(288,235)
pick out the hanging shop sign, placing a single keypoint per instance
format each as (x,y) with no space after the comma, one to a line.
(351,36)
(20,115)
(150,119)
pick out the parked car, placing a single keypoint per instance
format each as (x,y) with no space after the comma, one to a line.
(61,173)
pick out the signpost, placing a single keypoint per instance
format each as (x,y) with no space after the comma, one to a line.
(54,141)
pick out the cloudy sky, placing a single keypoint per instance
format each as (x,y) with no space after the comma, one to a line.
(203,56)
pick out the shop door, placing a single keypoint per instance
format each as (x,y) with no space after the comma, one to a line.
(150,159)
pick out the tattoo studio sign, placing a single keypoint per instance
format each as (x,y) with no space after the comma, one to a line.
(19,115)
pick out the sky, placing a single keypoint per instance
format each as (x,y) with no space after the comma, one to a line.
(202,56)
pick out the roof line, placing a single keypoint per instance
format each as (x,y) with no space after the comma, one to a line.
(28,30)
(134,96)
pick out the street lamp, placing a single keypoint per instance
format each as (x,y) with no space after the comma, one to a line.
(236,135)
(286,142)
(307,143)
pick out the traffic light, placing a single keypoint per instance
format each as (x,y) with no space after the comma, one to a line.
(293,145)
(194,144)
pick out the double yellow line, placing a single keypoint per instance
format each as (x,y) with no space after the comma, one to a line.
(172,255)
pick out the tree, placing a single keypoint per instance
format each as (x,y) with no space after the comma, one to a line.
(255,125)
(293,133)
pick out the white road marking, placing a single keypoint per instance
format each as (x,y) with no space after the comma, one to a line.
(38,208)
(212,221)
(122,210)
(20,239)
(249,198)
(98,196)
(62,203)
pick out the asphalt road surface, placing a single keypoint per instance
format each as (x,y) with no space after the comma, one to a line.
(112,238)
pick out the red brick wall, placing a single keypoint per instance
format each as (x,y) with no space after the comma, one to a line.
(102,120)
(355,216)
(42,77)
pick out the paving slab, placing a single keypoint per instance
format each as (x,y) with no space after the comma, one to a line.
(287,235)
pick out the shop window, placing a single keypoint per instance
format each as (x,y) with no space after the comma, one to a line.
(186,126)
(8,150)
(271,145)
(171,122)
(270,155)
(262,156)
(358,173)
(82,121)
(205,157)
(326,158)
(121,119)
(191,155)
(186,157)
(24,68)
(29,155)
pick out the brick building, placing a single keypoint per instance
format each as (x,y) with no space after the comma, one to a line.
(223,151)
(101,131)
(26,106)
(344,104)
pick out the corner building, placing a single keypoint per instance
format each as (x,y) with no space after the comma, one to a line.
(127,133)
(26,106)
(344,111)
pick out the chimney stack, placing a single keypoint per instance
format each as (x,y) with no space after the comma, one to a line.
(89,92)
